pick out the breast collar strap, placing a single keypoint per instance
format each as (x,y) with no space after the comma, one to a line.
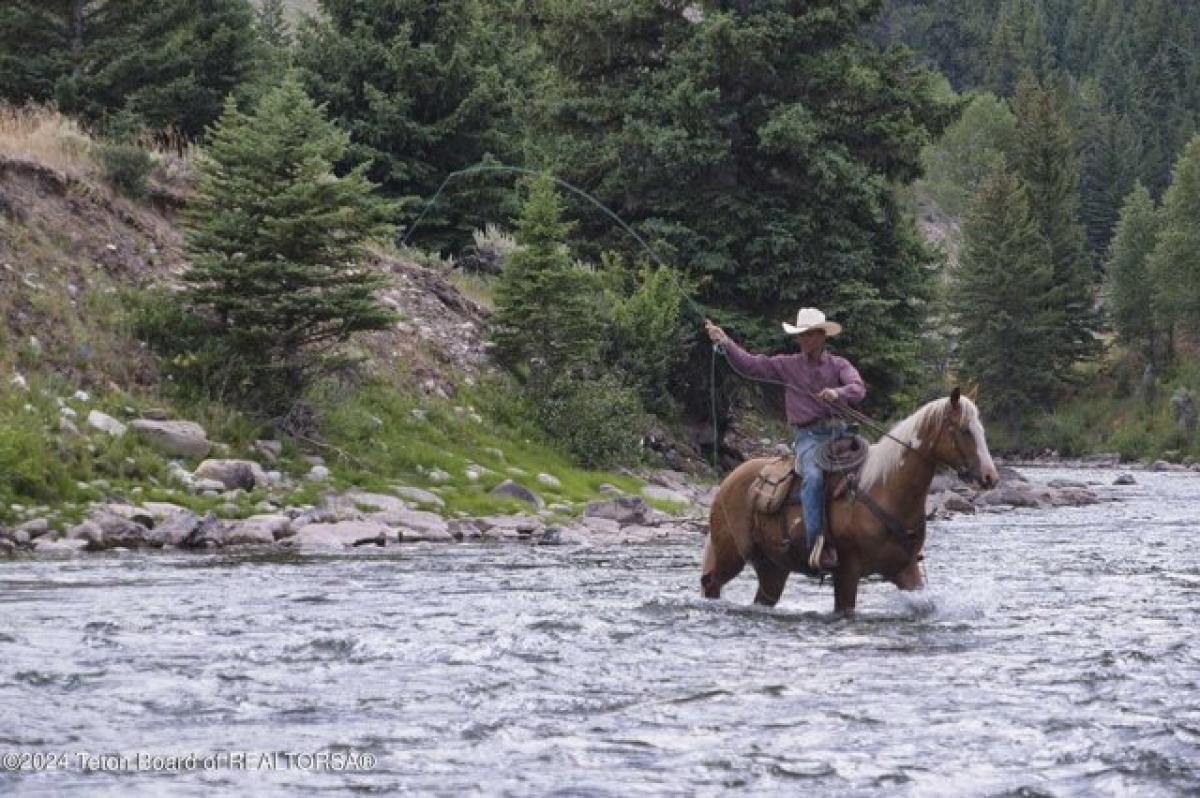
(903,536)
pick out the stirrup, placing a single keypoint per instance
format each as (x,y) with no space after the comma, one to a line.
(814,556)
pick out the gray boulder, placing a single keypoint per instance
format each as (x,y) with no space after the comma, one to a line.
(257,530)
(662,494)
(174,438)
(419,496)
(512,527)
(233,473)
(519,492)
(1009,474)
(107,530)
(173,527)
(1066,483)
(338,535)
(379,501)
(601,526)
(105,423)
(415,524)
(957,504)
(45,545)
(87,531)
(1012,495)
(208,534)
(1073,497)
(624,510)
(35,528)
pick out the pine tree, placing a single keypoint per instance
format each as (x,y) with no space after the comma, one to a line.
(1109,169)
(271,22)
(1045,160)
(1129,294)
(970,150)
(418,86)
(171,62)
(276,242)
(548,322)
(41,42)
(1019,44)
(551,328)
(998,302)
(1175,262)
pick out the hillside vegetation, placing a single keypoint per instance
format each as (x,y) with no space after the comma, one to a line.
(401,236)
(79,262)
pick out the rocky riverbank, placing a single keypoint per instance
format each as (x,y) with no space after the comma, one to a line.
(354,519)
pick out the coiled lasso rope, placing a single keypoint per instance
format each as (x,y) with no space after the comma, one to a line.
(828,459)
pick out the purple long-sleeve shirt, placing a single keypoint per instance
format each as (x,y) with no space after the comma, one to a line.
(802,380)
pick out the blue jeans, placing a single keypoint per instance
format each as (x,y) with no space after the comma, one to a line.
(812,478)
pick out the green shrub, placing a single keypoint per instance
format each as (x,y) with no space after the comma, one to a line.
(1064,432)
(36,465)
(653,336)
(600,422)
(127,167)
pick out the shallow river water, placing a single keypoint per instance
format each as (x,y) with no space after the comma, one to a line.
(1055,653)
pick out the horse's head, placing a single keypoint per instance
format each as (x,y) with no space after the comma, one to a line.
(962,444)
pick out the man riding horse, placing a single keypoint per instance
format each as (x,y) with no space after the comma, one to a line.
(813,379)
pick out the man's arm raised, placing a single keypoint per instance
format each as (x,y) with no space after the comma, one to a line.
(755,367)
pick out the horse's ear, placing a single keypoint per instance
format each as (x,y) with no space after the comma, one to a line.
(955,415)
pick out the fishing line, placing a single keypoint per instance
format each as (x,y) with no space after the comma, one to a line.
(483,168)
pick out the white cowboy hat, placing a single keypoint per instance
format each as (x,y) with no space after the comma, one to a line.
(812,319)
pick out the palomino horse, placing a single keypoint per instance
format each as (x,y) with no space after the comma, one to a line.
(897,474)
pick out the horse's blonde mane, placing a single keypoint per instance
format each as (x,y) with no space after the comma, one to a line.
(884,457)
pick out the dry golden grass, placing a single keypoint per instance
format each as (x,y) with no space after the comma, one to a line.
(42,134)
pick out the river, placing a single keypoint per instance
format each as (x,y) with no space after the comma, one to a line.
(1055,653)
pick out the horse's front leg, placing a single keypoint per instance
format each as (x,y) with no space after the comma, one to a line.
(845,589)
(910,577)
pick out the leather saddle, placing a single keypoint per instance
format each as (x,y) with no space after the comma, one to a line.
(776,490)
(778,484)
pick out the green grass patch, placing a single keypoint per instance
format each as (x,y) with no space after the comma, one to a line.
(460,449)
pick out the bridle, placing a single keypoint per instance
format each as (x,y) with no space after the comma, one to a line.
(965,471)
(963,468)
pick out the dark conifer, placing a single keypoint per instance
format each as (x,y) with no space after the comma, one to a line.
(276,241)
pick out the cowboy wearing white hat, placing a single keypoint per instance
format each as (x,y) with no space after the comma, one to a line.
(812,380)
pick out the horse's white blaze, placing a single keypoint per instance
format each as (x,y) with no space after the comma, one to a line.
(986,465)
